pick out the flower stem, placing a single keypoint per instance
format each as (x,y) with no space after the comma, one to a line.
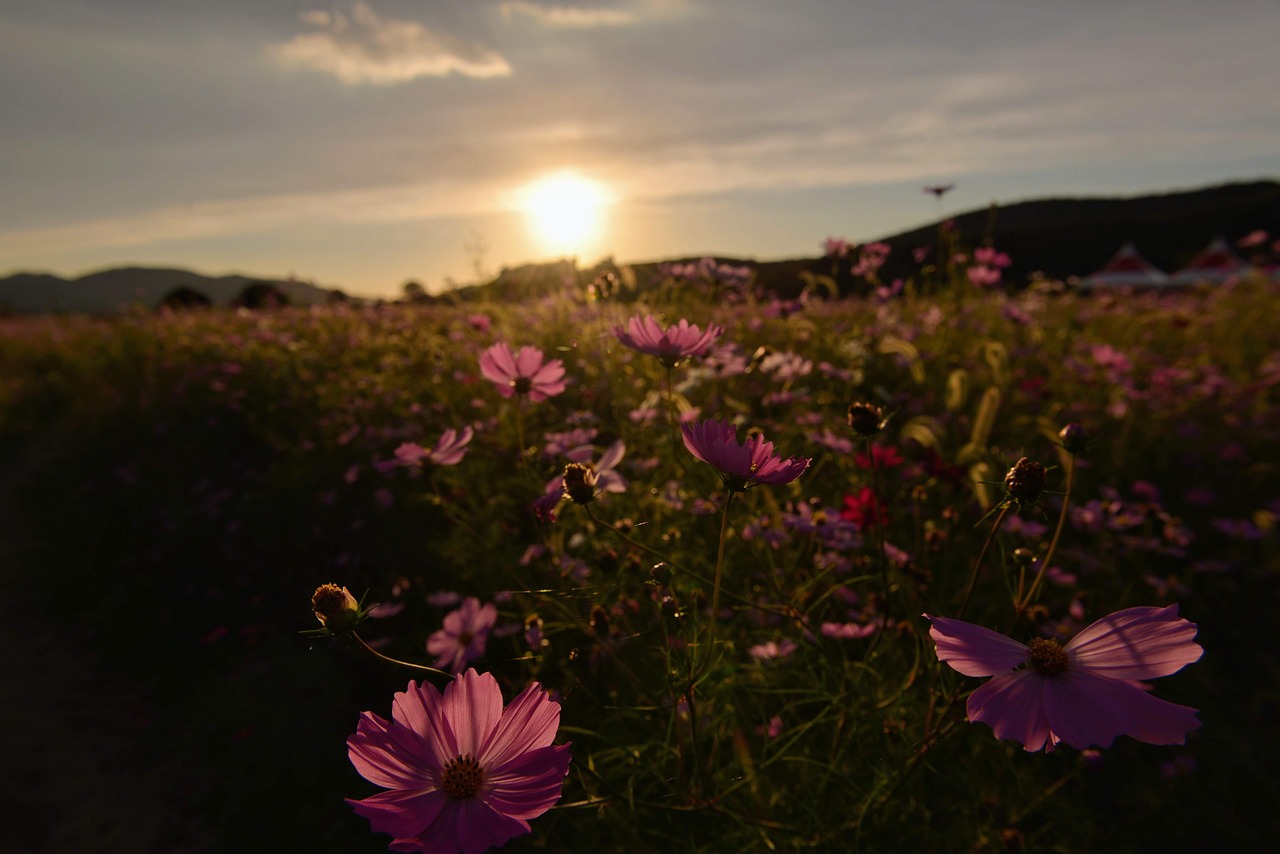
(880,523)
(391,660)
(1025,602)
(715,586)
(977,564)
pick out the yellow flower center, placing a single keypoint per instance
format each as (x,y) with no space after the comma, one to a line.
(1048,657)
(462,778)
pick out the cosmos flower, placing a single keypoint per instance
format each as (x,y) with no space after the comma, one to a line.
(526,372)
(461,772)
(465,633)
(586,481)
(677,343)
(448,451)
(1085,693)
(740,466)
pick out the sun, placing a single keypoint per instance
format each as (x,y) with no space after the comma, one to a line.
(565,211)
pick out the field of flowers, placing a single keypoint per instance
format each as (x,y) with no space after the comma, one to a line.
(710,523)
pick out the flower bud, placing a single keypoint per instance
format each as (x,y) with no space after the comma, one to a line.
(335,608)
(1024,557)
(579,483)
(866,419)
(1025,481)
(1074,438)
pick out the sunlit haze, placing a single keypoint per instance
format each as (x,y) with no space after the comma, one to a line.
(565,212)
(361,143)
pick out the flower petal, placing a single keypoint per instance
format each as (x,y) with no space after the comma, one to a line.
(497,364)
(1086,710)
(419,709)
(530,786)
(473,706)
(480,827)
(530,722)
(974,650)
(401,813)
(1013,706)
(1136,643)
(389,755)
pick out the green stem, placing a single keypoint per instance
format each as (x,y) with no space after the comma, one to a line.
(880,523)
(715,587)
(391,660)
(1022,605)
(977,565)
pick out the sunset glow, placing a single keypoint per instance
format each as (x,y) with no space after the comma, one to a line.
(565,211)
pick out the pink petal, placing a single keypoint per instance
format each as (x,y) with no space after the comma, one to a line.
(473,706)
(389,755)
(400,813)
(1086,710)
(419,709)
(530,722)
(480,827)
(497,365)
(1012,705)
(528,361)
(974,650)
(1136,643)
(528,788)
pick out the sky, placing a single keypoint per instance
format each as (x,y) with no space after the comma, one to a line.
(362,144)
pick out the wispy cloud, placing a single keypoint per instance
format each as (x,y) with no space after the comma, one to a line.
(361,47)
(592,17)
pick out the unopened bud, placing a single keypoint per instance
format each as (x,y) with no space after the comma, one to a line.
(1025,481)
(866,419)
(1074,438)
(335,608)
(579,483)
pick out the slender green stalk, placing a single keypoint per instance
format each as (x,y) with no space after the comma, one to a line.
(977,564)
(880,524)
(1025,602)
(715,587)
(391,660)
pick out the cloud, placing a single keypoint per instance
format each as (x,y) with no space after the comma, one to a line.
(360,47)
(591,17)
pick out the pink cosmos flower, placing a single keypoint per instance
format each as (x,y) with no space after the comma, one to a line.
(461,772)
(448,451)
(740,466)
(835,247)
(678,342)
(526,372)
(464,636)
(1084,693)
(598,479)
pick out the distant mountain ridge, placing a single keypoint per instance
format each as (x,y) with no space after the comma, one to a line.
(1058,238)
(110,291)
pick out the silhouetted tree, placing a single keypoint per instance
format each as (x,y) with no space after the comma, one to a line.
(184,298)
(259,295)
(413,291)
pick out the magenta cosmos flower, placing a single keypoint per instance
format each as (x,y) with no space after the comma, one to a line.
(740,466)
(449,451)
(464,636)
(677,343)
(462,772)
(1085,693)
(526,372)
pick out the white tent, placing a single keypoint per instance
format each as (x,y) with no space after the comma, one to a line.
(1215,265)
(1126,269)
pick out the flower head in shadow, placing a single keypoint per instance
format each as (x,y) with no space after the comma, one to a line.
(1084,693)
(740,466)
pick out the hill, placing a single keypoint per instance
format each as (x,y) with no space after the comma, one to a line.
(109,291)
(1058,238)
